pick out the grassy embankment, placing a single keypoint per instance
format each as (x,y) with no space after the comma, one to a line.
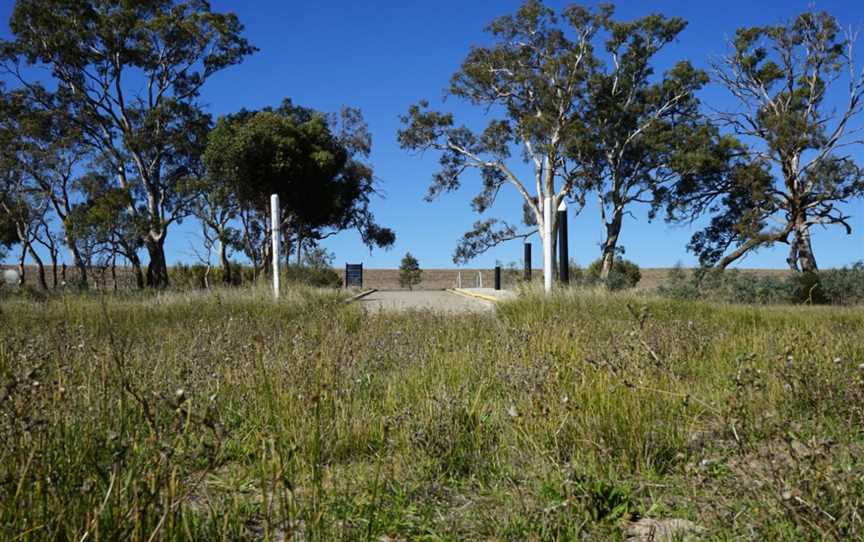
(233,417)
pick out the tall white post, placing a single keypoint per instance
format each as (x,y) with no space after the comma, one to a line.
(274,229)
(547,244)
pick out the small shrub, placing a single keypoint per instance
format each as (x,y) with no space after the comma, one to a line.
(843,286)
(315,276)
(807,288)
(679,284)
(410,273)
(624,274)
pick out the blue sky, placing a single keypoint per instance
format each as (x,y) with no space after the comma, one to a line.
(386,55)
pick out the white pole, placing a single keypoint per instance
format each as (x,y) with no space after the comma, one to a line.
(459,280)
(274,227)
(480,278)
(547,244)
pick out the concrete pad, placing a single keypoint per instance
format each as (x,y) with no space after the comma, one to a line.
(440,301)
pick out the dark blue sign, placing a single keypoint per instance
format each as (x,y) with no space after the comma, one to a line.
(353,275)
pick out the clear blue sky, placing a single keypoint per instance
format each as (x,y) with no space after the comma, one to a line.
(383,56)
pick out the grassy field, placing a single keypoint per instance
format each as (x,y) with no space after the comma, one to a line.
(230,417)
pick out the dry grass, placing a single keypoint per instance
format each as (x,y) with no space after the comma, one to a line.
(231,417)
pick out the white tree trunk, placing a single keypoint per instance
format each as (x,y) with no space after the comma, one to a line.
(547,244)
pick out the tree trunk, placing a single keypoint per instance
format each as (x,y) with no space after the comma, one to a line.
(610,245)
(114,270)
(223,261)
(157,269)
(135,261)
(804,248)
(40,267)
(79,263)
(21,268)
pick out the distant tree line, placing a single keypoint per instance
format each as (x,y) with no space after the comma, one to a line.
(575,96)
(103,158)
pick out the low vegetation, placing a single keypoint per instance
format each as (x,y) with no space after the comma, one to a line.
(227,416)
(844,286)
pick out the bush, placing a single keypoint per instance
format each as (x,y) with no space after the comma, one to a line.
(679,284)
(835,286)
(624,274)
(315,276)
(843,286)
(191,277)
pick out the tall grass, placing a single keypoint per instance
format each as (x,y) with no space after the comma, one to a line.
(233,417)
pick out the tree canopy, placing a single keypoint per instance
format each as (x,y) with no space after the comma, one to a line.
(791,169)
(130,74)
(314,162)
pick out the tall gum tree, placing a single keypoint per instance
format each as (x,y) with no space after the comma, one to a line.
(131,73)
(642,131)
(798,96)
(534,75)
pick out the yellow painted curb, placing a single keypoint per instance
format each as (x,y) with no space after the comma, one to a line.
(474,294)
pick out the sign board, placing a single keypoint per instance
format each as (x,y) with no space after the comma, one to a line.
(353,275)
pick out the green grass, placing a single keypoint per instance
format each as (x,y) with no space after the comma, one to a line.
(561,419)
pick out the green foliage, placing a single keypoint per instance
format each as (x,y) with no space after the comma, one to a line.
(535,75)
(410,273)
(149,140)
(8,233)
(318,276)
(843,286)
(789,169)
(195,276)
(312,162)
(624,274)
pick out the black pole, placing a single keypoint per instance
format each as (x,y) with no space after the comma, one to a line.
(563,257)
(497,277)
(526,274)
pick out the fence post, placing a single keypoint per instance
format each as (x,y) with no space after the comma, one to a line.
(459,280)
(563,257)
(274,227)
(526,273)
(497,277)
(480,279)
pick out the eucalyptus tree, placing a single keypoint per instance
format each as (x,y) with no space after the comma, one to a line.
(46,149)
(644,131)
(23,210)
(798,95)
(131,73)
(216,207)
(103,224)
(314,162)
(534,78)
